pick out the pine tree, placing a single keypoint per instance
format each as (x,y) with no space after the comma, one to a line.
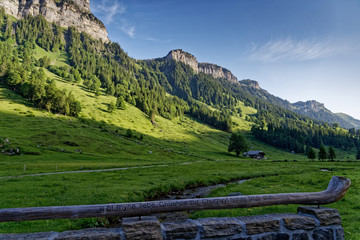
(111,107)
(120,103)
(129,133)
(311,154)
(110,90)
(332,154)
(322,153)
(358,154)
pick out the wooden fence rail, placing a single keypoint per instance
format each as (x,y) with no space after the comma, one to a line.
(334,192)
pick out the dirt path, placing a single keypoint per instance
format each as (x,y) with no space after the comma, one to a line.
(96,170)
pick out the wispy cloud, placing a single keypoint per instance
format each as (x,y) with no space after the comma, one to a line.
(126,27)
(289,49)
(158,40)
(151,39)
(110,11)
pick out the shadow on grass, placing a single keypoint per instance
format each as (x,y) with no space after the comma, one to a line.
(15,97)
(96,140)
(104,110)
(90,96)
(203,147)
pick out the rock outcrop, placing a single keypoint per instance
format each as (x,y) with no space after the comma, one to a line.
(318,111)
(214,70)
(309,106)
(251,83)
(217,71)
(66,13)
(179,55)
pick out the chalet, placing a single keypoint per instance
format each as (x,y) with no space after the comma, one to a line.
(255,154)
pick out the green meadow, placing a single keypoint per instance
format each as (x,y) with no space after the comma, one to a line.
(171,155)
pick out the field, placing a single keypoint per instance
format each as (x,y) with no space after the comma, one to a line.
(312,180)
(174,155)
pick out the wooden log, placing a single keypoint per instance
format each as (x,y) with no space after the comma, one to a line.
(335,191)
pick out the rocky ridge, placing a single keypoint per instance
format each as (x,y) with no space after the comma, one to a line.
(312,109)
(316,110)
(309,106)
(251,84)
(216,71)
(66,13)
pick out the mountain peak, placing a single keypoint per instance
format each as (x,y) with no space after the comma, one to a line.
(310,105)
(251,83)
(179,55)
(214,70)
(65,13)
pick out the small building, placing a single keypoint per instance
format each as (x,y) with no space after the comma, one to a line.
(255,154)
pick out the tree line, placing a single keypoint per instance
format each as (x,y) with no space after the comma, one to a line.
(322,154)
(18,71)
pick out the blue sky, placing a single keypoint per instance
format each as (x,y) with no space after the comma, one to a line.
(298,50)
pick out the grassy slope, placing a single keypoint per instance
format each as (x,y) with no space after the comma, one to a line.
(173,143)
(59,58)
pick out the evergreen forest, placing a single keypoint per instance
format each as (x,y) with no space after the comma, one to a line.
(157,87)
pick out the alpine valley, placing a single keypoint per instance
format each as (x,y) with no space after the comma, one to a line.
(81,122)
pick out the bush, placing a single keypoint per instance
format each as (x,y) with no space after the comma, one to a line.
(129,133)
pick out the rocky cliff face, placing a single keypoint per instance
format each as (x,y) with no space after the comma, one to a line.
(251,84)
(316,110)
(310,106)
(207,68)
(180,56)
(66,13)
(217,71)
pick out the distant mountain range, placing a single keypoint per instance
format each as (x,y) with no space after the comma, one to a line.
(311,108)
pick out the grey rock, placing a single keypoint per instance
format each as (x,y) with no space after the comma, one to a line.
(240,238)
(273,236)
(340,234)
(179,55)
(29,236)
(75,13)
(180,230)
(300,236)
(216,71)
(296,221)
(146,228)
(91,234)
(260,224)
(219,227)
(326,216)
(323,234)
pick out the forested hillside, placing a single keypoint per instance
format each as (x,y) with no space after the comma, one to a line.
(92,63)
(157,87)
(311,109)
(316,110)
(275,122)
